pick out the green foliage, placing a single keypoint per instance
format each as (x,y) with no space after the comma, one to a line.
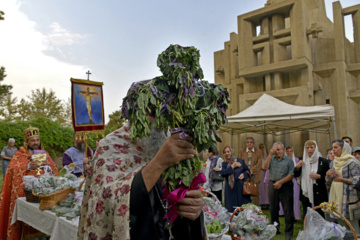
(1,15)
(54,137)
(115,122)
(4,89)
(181,101)
(8,108)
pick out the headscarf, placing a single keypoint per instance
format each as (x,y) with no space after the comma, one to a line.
(310,166)
(231,177)
(213,162)
(336,190)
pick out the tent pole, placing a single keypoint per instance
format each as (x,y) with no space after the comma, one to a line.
(232,139)
(334,124)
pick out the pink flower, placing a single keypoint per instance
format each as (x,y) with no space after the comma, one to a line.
(106,148)
(125,189)
(89,172)
(106,193)
(100,207)
(126,137)
(123,209)
(117,161)
(116,132)
(139,149)
(92,236)
(128,177)
(127,129)
(108,236)
(123,151)
(98,151)
(99,178)
(100,162)
(111,168)
(137,159)
(88,222)
(116,191)
(90,194)
(109,179)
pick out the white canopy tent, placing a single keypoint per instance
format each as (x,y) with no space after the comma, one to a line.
(269,115)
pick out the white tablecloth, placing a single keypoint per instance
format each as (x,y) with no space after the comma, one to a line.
(45,221)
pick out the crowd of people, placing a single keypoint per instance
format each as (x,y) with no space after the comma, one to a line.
(121,171)
(283,180)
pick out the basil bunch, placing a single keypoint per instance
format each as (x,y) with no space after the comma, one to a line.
(178,99)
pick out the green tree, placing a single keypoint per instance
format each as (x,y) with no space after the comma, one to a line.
(45,104)
(54,137)
(4,89)
(24,110)
(66,115)
(9,108)
(115,122)
(1,15)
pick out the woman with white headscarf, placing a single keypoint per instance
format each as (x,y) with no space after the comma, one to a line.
(344,176)
(312,171)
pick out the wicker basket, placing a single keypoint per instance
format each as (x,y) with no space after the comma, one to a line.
(30,197)
(215,236)
(347,222)
(49,200)
(232,216)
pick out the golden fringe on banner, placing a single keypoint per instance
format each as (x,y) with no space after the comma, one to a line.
(85,135)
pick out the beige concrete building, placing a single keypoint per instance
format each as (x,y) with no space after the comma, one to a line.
(292,51)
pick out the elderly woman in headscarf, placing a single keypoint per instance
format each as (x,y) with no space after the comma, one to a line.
(344,176)
(289,151)
(235,172)
(312,171)
(213,164)
(263,187)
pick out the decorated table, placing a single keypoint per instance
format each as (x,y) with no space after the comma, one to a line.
(45,221)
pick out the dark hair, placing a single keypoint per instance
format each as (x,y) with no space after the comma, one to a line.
(214,151)
(289,147)
(251,139)
(339,142)
(343,138)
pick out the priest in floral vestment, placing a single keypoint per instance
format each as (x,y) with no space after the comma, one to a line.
(13,187)
(123,194)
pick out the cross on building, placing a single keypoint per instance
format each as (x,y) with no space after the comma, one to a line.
(88,73)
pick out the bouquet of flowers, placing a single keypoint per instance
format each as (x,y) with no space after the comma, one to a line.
(181,101)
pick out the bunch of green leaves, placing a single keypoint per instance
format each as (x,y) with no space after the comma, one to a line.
(178,99)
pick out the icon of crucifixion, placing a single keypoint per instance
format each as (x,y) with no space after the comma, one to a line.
(88,95)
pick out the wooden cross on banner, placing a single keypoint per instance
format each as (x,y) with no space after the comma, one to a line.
(88,73)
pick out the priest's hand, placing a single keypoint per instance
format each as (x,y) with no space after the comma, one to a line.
(191,205)
(174,150)
(33,165)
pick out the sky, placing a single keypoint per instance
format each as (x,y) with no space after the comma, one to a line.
(45,43)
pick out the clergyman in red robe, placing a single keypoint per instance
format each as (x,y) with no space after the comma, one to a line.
(13,186)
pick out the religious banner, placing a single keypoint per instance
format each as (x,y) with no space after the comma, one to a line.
(87,107)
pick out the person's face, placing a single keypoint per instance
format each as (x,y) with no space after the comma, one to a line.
(337,150)
(11,143)
(348,141)
(289,152)
(250,144)
(210,154)
(279,151)
(227,153)
(96,143)
(262,148)
(310,149)
(34,143)
(357,155)
(331,155)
